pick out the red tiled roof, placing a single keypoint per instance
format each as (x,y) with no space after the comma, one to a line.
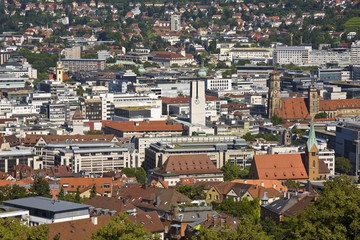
(185,99)
(82,183)
(167,55)
(76,229)
(119,205)
(265,183)
(325,105)
(149,220)
(280,166)
(293,108)
(143,126)
(189,164)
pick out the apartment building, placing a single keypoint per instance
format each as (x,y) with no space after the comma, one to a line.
(95,158)
(298,55)
(76,65)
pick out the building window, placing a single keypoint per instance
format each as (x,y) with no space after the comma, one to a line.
(314,164)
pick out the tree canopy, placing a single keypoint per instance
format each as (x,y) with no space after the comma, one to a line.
(276,120)
(192,192)
(335,215)
(233,171)
(41,188)
(138,172)
(342,165)
(14,229)
(120,227)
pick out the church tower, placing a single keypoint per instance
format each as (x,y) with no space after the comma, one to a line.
(274,101)
(59,70)
(313,100)
(312,155)
(197,102)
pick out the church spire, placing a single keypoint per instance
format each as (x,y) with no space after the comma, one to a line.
(312,139)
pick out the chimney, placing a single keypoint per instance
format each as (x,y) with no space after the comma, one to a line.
(222,222)
(175,210)
(157,203)
(94,220)
(262,184)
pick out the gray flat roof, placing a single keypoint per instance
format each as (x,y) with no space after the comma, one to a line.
(46,204)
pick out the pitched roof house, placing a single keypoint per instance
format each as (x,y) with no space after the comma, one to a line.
(197,166)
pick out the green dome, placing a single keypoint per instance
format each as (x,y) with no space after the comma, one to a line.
(141,69)
(202,72)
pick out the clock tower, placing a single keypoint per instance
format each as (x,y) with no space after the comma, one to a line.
(197,102)
(274,100)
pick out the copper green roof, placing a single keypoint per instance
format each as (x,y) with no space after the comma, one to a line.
(312,139)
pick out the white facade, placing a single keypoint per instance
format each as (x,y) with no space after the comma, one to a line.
(97,160)
(174,89)
(355,53)
(110,101)
(254,99)
(219,83)
(322,57)
(175,23)
(298,55)
(197,102)
(261,55)
(73,52)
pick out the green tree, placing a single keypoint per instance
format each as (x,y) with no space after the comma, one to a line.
(335,215)
(239,209)
(321,115)
(40,232)
(14,229)
(61,195)
(248,137)
(291,184)
(80,91)
(93,191)
(69,80)
(40,188)
(12,192)
(11,229)
(77,195)
(192,192)
(277,120)
(120,227)
(139,173)
(91,132)
(233,171)
(342,165)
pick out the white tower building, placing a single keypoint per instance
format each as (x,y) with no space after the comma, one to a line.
(175,23)
(197,102)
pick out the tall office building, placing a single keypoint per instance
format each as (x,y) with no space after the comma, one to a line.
(197,102)
(355,53)
(175,23)
(73,52)
(298,55)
